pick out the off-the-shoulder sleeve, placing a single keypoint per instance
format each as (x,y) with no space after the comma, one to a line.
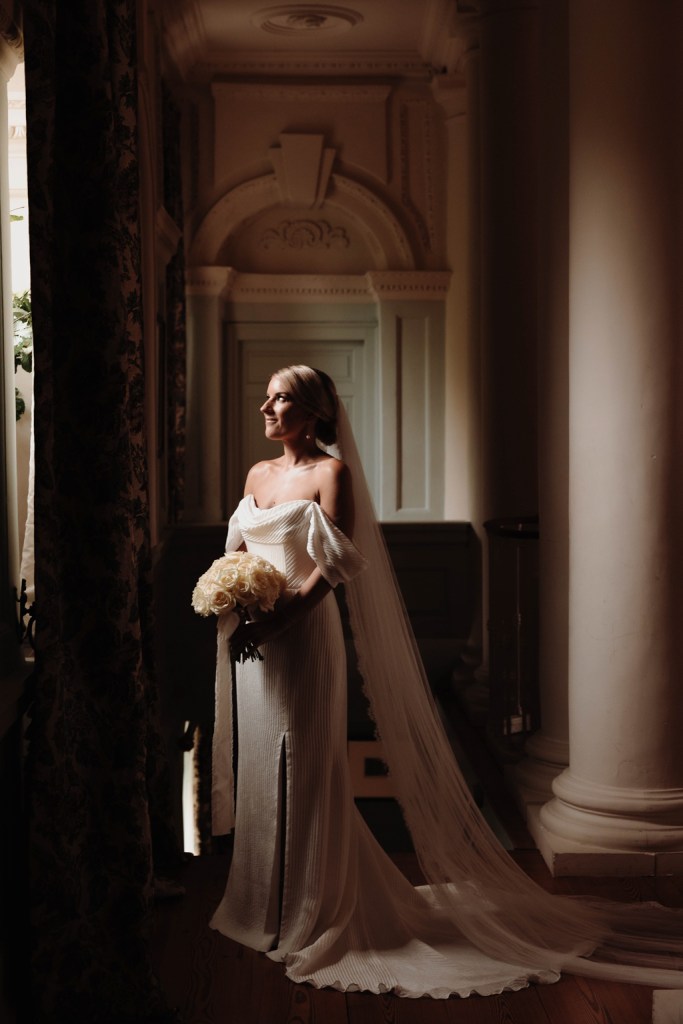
(338,559)
(234,538)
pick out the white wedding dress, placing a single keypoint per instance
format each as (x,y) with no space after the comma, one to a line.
(309,884)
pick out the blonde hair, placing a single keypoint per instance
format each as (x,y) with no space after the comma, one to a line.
(315,392)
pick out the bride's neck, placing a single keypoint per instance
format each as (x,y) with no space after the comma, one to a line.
(295,455)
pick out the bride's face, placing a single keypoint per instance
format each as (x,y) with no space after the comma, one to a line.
(284,419)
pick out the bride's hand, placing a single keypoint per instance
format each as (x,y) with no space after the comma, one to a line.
(252,633)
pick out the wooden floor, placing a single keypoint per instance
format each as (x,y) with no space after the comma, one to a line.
(212,980)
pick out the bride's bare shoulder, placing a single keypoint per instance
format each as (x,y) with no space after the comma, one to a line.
(259,472)
(332,475)
(332,468)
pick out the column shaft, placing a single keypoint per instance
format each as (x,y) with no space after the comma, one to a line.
(508,198)
(623,791)
(205,474)
(548,749)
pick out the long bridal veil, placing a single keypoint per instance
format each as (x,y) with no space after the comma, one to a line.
(490,899)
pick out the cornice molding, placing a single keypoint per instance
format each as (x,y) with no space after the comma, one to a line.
(302,93)
(423,285)
(209,282)
(299,288)
(399,64)
(391,285)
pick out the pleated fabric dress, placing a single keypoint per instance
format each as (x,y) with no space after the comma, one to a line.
(308,884)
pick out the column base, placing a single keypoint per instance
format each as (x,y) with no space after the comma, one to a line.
(530,781)
(598,830)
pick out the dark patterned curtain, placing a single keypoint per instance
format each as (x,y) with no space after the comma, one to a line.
(95,773)
(175,309)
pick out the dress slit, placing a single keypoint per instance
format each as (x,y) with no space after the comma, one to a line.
(274,918)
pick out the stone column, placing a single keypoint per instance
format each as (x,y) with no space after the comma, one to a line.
(508,88)
(205,461)
(458,96)
(548,749)
(450,92)
(506,126)
(618,809)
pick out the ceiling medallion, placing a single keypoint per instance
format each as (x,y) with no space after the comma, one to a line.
(297,19)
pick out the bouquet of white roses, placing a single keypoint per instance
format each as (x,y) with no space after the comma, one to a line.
(235,583)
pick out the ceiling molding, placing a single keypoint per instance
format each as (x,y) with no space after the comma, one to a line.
(403,64)
(209,39)
(388,285)
(299,288)
(302,93)
(379,286)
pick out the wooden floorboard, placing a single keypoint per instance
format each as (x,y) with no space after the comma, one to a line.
(366,1008)
(212,980)
(580,1001)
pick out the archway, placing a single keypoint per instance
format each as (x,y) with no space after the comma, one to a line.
(329,273)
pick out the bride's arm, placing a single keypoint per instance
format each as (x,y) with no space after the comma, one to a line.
(336,494)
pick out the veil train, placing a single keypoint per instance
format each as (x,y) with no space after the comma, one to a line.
(472,878)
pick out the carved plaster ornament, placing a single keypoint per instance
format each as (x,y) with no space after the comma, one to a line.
(299,19)
(305,234)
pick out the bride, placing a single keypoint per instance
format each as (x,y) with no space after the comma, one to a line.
(308,883)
